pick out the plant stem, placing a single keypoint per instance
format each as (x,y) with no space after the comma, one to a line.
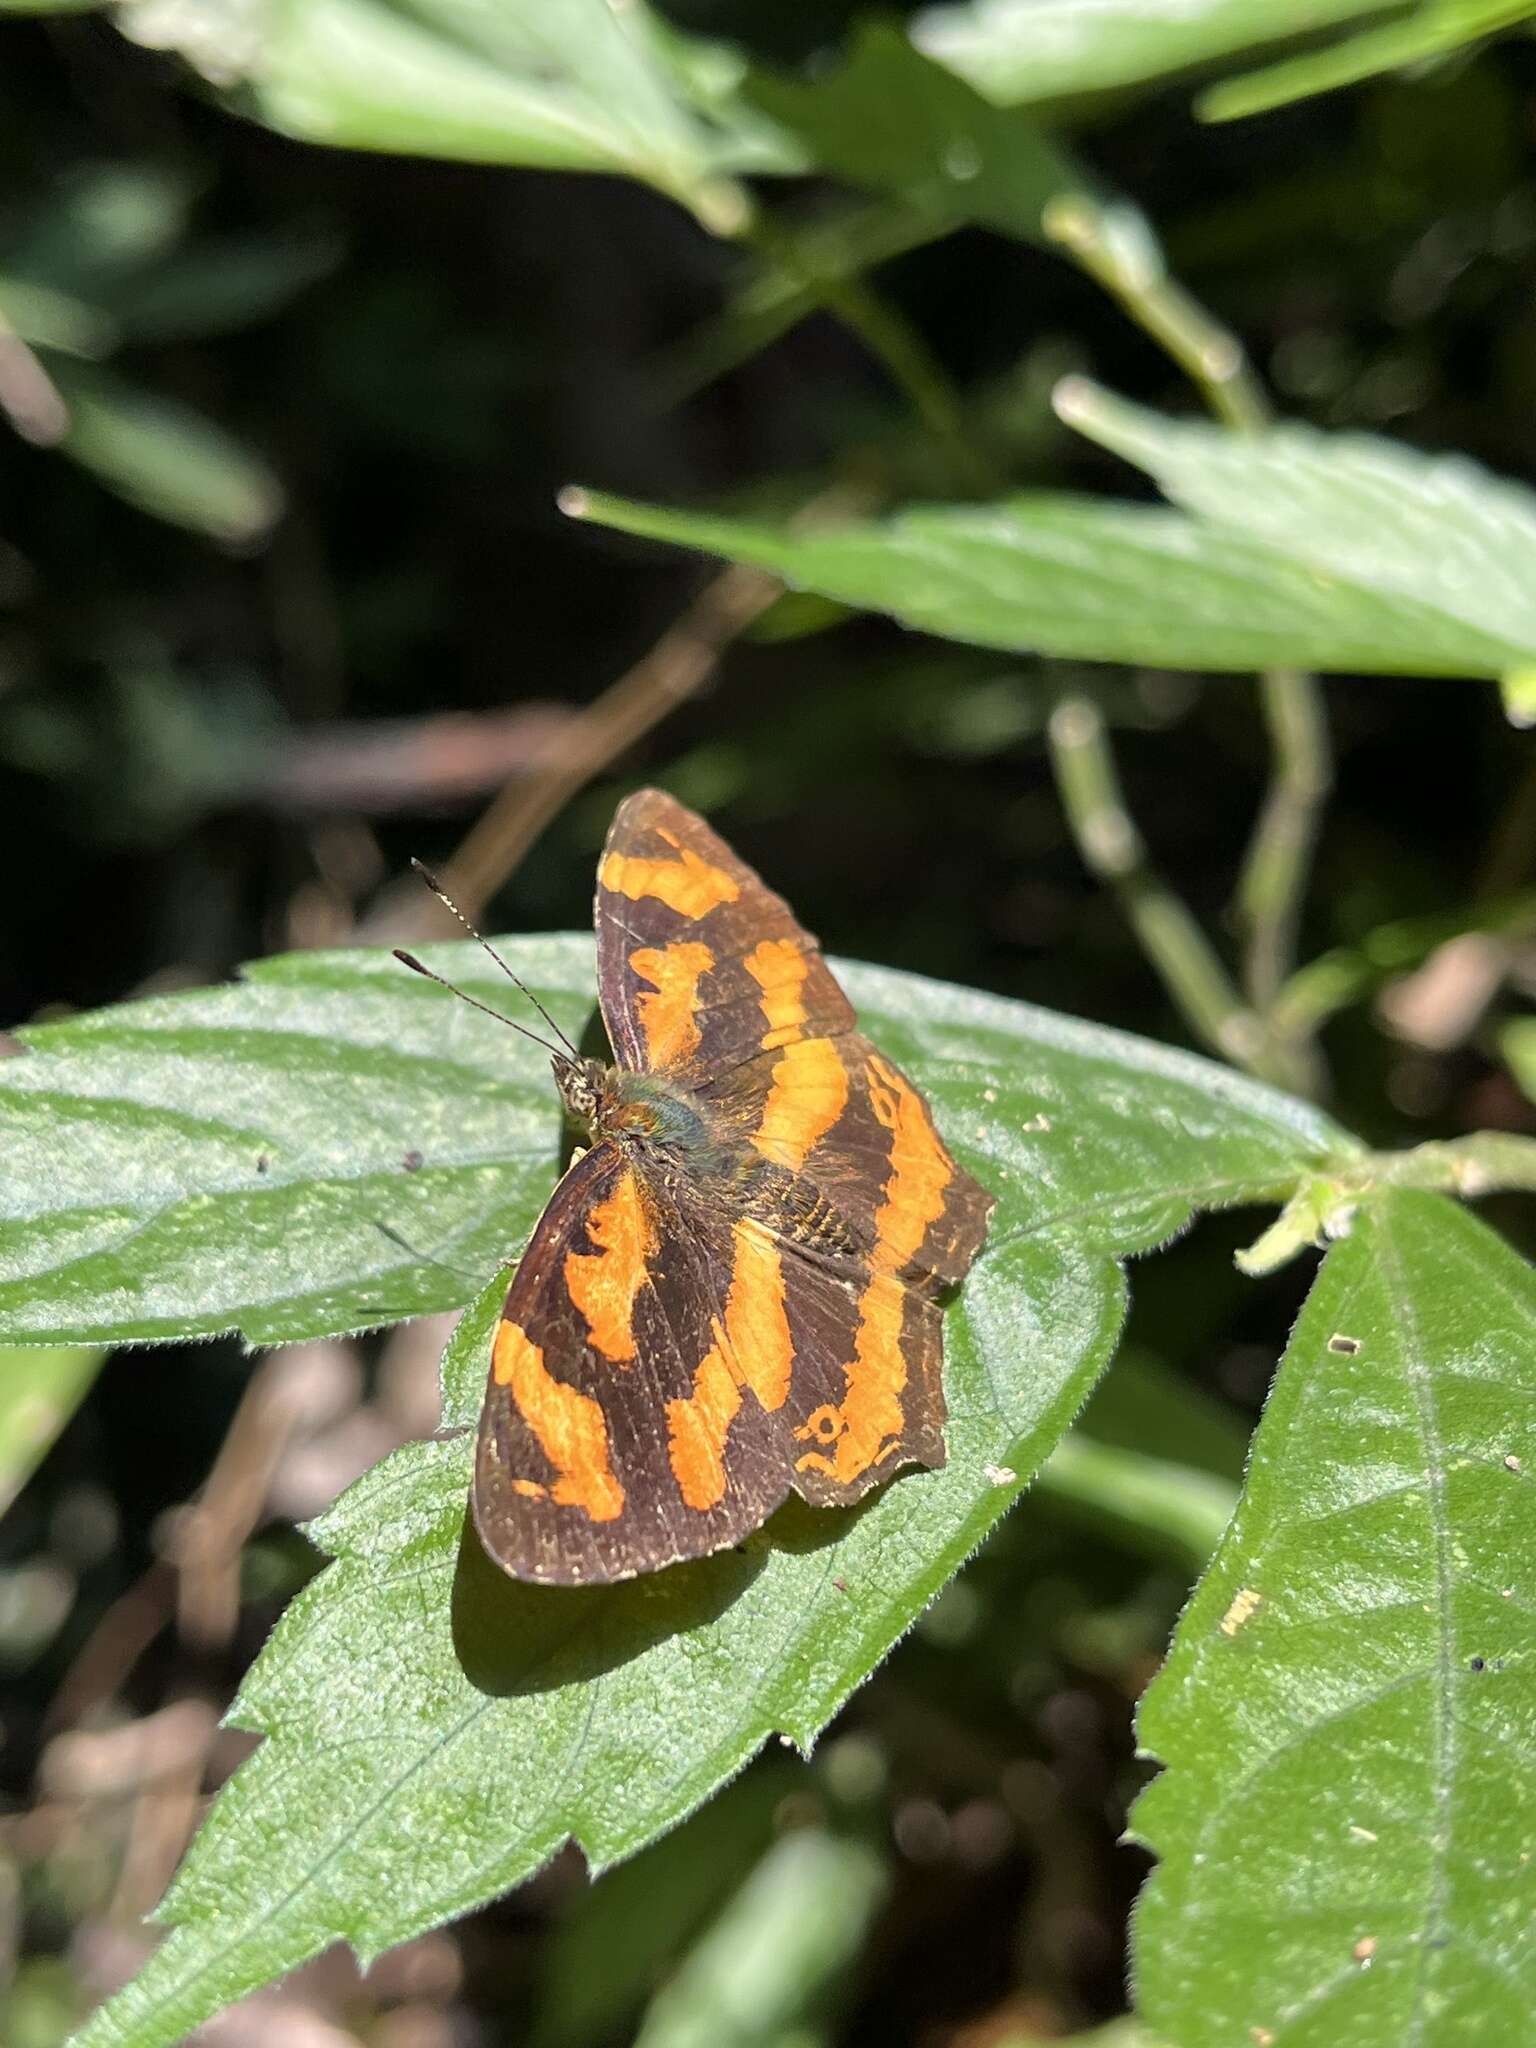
(1114,850)
(1161,1504)
(1273,880)
(1117,248)
(29,398)
(1484,1163)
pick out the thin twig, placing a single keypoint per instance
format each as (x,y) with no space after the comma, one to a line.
(676,668)
(1115,247)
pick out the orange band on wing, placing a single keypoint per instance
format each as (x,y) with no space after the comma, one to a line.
(865,1426)
(604,1286)
(779,968)
(920,1169)
(688,885)
(668,1010)
(568,1424)
(756,1326)
(807,1094)
(697,1429)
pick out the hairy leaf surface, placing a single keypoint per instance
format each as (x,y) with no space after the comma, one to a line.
(1347,1719)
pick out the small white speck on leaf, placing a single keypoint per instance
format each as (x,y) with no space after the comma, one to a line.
(1001,1475)
(1245,1604)
(1513,1464)
(1362,1834)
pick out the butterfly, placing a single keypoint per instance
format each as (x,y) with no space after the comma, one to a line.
(734,1293)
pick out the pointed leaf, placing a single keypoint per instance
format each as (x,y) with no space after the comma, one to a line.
(165,458)
(1348,1715)
(435,1731)
(1098,581)
(1437,535)
(584,85)
(1026,50)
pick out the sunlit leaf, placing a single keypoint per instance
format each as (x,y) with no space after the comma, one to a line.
(1435,28)
(334,1143)
(579,86)
(1022,50)
(1345,1815)
(481,1723)
(1101,581)
(1435,534)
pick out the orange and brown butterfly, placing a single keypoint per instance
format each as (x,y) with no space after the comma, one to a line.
(735,1293)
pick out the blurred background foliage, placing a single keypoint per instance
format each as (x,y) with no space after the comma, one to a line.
(285,598)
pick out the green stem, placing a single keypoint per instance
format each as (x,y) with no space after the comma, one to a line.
(1273,880)
(1119,251)
(1166,1505)
(1114,245)
(1484,1163)
(845,246)
(1113,849)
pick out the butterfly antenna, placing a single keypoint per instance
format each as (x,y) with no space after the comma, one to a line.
(448,904)
(417,967)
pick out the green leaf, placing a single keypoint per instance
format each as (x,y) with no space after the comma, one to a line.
(217,287)
(1293,548)
(165,458)
(39,1392)
(1437,535)
(482,1723)
(1085,579)
(584,85)
(1346,1719)
(892,121)
(1436,28)
(335,1143)
(1024,50)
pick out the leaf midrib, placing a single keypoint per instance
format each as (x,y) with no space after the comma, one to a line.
(1419,1378)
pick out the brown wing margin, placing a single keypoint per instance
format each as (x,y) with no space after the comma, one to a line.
(700,964)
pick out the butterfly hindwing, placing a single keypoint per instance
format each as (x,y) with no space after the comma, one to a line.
(846,1360)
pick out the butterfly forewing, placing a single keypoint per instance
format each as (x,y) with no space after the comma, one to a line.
(694,953)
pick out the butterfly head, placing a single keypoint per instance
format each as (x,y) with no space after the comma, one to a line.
(585,1088)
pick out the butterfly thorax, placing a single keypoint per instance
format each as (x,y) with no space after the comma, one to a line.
(632,1109)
